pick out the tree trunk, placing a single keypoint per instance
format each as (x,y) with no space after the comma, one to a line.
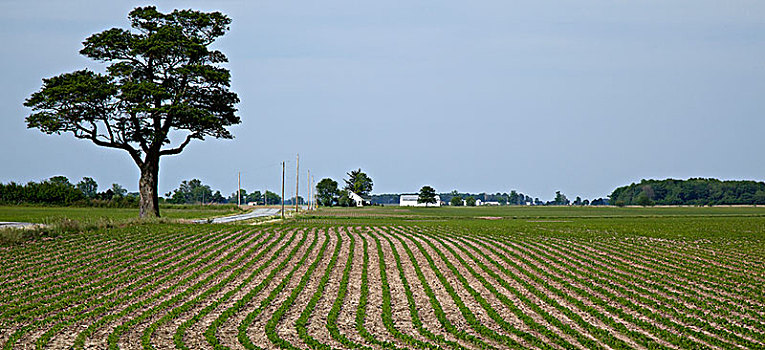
(147,186)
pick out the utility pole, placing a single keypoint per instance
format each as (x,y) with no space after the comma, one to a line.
(313,196)
(309,189)
(282,190)
(297,175)
(239,188)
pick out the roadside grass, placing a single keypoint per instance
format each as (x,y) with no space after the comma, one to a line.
(56,221)
(48,215)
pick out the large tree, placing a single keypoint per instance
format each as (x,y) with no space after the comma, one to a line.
(88,187)
(327,192)
(162,83)
(427,195)
(359,182)
(192,191)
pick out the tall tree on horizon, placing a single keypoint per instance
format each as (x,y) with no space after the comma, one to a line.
(327,192)
(427,195)
(161,80)
(359,182)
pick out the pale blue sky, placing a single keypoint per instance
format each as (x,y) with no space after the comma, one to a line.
(579,96)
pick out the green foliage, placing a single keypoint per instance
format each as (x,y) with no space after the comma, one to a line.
(54,191)
(643,200)
(192,191)
(427,195)
(695,191)
(345,200)
(88,187)
(254,197)
(358,182)
(161,76)
(118,190)
(327,192)
(560,199)
(456,201)
(273,198)
(162,79)
(470,201)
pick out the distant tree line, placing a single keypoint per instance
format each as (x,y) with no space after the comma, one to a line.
(195,192)
(58,190)
(455,198)
(694,191)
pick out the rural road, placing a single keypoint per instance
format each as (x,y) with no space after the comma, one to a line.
(5,224)
(255,213)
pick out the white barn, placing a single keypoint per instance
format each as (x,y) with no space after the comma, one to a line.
(410,200)
(360,201)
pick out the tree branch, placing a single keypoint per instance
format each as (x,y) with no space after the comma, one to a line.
(92,135)
(178,149)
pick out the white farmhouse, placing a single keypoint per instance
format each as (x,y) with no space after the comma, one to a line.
(360,201)
(410,200)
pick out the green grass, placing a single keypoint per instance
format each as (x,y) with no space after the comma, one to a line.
(538,211)
(69,220)
(46,215)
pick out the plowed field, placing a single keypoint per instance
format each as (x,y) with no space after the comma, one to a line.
(481,286)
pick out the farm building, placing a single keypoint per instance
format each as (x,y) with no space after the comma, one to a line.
(359,200)
(410,200)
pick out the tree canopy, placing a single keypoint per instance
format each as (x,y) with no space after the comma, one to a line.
(694,191)
(192,191)
(427,195)
(88,187)
(358,182)
(161,80)
(327,192)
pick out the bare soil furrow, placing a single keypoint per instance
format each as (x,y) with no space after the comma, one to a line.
(195,334)
(227,332)
(711,288)
(611,280)
(218,269)
(556,291)
(574,280)
(374,321)
(169,275)
(96,276)
(425,310)
(532,299)
(448,303)
(95,298)
(286,327)
(470,301)
(164,333)
(517,303)
(346,320)
(256,330)
(317,321)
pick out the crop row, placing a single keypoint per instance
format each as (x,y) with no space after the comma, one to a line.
(428,286)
